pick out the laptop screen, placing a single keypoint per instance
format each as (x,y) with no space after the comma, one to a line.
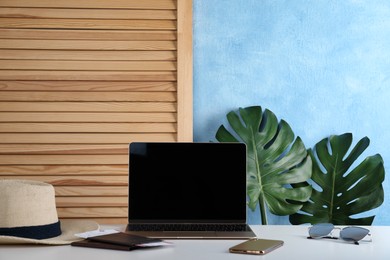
(187,182)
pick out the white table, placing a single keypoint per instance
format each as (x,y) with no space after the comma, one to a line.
(296,246)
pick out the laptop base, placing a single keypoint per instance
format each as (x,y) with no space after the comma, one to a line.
(248,234)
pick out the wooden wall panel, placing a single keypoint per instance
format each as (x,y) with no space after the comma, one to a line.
(79,81)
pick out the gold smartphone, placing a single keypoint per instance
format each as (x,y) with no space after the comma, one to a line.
(256,246)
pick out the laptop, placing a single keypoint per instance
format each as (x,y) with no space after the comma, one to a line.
(188,190)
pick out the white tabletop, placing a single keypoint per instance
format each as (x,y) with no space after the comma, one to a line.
(296,246)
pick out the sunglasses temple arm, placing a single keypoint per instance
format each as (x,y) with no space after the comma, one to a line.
(328,237)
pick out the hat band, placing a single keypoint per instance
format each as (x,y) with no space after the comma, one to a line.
(34,232)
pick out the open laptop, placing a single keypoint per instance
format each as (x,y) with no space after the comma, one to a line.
(188,190)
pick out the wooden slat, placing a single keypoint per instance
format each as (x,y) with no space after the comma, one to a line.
(88,106)
(88,127)
(63,149)
(116,212)
(87,45)
(74,202)
(112,35)
(86,117)
(133,4)
(87,65)
(88,75)
(64,170)
(88,96)
(88,138)
(91,191)
(63,159)
(87,55)
(89,24)
(78,180)
(90,86)
(90,13)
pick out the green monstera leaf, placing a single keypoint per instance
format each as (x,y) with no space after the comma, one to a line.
(340,192)
(275,161)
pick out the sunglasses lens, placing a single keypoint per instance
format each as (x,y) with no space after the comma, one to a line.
(320,230)
(353,233)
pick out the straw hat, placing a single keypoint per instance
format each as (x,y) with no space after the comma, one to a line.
(28,215)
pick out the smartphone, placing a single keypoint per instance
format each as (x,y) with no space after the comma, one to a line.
(256,246)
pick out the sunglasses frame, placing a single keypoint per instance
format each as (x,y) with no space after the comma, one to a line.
(332,228)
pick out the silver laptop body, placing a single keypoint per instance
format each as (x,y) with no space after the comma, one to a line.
(188,190)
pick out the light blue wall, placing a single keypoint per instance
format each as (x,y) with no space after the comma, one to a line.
(323,66)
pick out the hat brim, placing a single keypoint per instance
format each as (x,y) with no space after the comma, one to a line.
(68,228)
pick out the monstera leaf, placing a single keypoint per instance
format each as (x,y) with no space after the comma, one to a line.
(339,191)
(275,161)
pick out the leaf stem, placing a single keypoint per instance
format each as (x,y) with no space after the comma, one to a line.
(263,212)
(262,205)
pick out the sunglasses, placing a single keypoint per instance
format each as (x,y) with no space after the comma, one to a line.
(350,234)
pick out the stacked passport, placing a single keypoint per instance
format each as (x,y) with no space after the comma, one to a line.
(120,241)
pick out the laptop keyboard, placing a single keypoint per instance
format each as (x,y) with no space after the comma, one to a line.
(187,227)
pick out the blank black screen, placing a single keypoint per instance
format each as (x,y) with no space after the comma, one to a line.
(187,182)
